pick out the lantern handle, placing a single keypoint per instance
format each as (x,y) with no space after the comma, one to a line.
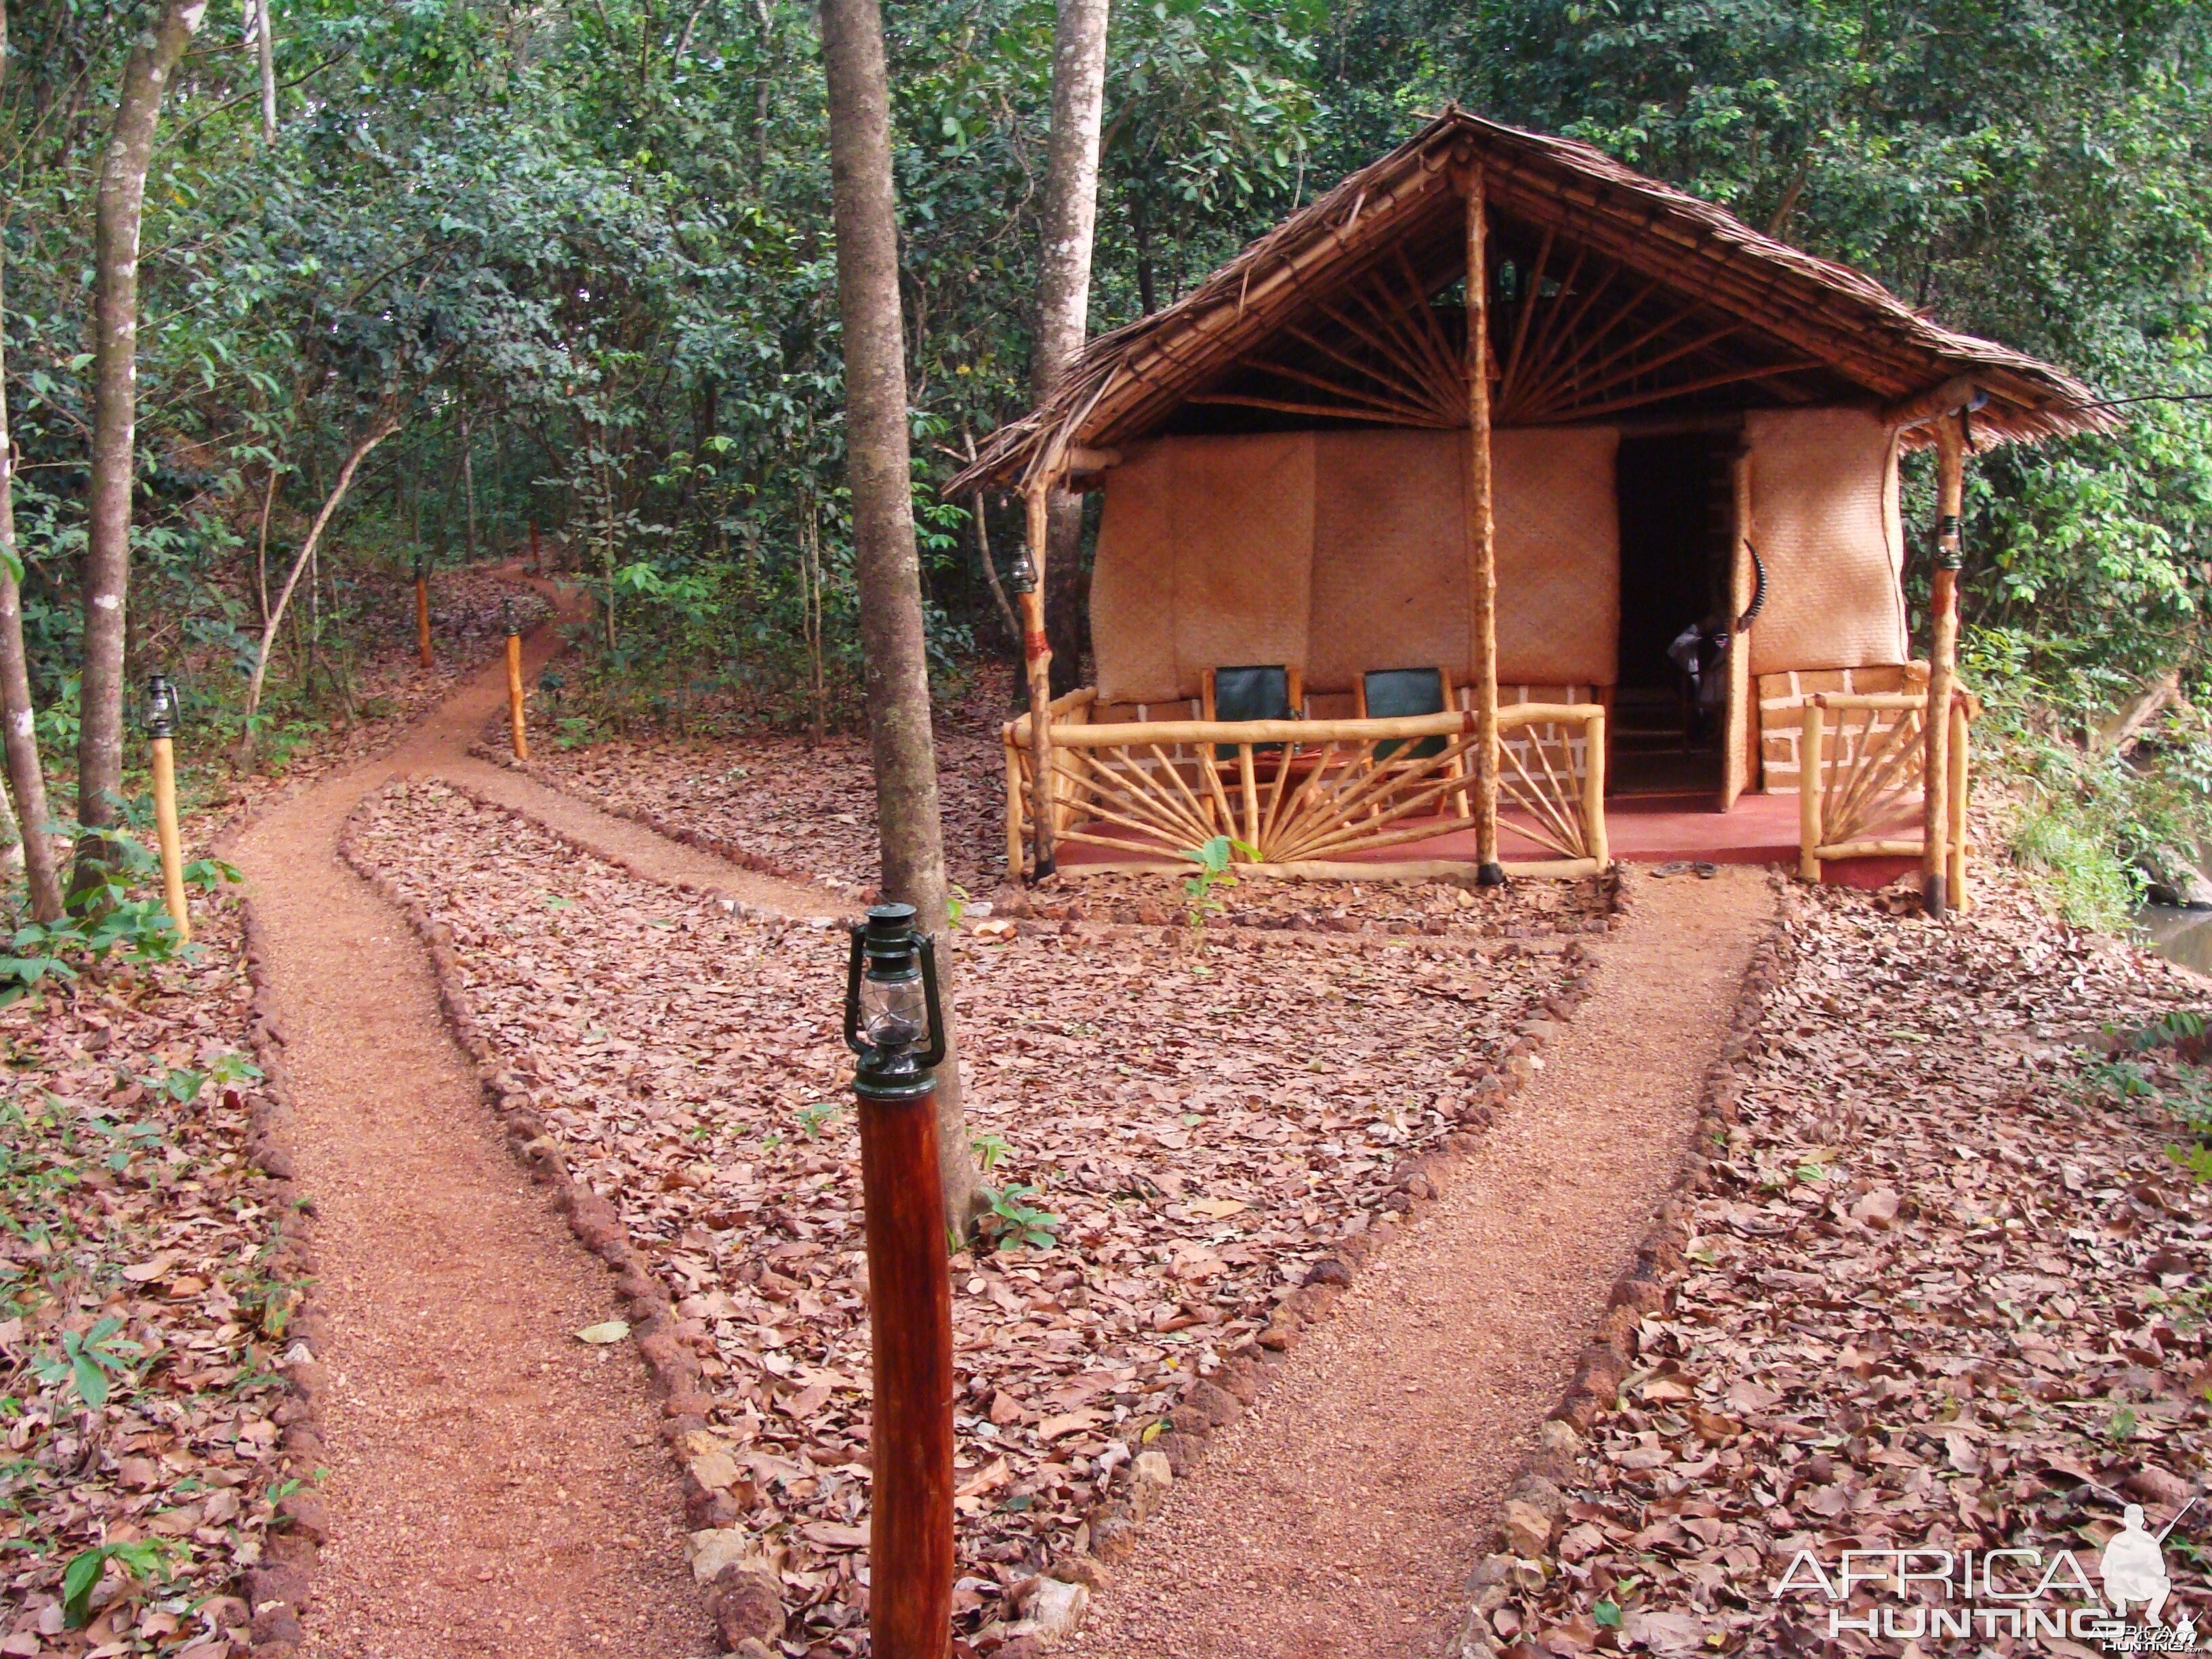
(935,1057)
(853,991)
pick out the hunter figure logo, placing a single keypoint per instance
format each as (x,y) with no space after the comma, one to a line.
(2134,1567)
(2030,1594)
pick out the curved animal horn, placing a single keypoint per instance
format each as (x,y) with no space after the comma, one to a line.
(1758,592)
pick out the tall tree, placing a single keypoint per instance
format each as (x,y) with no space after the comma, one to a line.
(1071,222)
(154,57)
(26,780)
(885,563)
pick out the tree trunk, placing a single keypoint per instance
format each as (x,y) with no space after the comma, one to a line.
(27,780)
(266,42)
(382,428)
(154,57)
(884,558)
(1071,220)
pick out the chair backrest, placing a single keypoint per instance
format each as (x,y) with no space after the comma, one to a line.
(1395,691)
(1390,693)
(1257,692)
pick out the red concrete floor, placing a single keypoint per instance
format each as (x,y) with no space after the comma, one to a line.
(1640,830)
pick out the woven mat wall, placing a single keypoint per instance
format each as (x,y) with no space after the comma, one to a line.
(1824,518)
(1243,514)
(1133,583)
(1345,551)
(1558,533)
(1389,556)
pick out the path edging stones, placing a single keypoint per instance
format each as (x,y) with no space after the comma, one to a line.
(1159,1451)
(1170,1448)
(729,851)
(1537,1496)
(277,1588)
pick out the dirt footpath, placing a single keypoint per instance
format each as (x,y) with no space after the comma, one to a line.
(1340,1519)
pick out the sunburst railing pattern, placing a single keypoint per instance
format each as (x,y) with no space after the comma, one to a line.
(1862,781)
(1315,793)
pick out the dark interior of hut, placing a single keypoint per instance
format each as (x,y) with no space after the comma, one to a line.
(1675,515)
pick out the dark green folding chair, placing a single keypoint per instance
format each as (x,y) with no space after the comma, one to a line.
(1263,691)
(1391,693)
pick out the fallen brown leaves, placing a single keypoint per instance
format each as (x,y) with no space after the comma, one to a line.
(134,1232)
(809,811)
(1943,1293)
(1201,1125)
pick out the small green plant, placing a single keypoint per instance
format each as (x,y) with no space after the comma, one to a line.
(86,1361)
(1015,1223)
(812,1118)
(141,1558)
(955,902)
(1212,858)
(988,1150)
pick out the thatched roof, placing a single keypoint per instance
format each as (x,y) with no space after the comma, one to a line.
(1614,292)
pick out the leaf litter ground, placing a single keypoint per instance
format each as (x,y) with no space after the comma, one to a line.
(1203,1126)
(1949,1293)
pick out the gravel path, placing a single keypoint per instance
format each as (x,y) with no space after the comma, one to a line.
(496,1487)
(1339,1521)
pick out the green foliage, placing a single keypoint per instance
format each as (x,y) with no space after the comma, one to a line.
(1212,860)
(1013,1223)
(105,921)
(141,1558)
(87,1361)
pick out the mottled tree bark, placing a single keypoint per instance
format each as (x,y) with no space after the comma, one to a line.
(885,564)
(154,56)
(1071,221)
(27,781)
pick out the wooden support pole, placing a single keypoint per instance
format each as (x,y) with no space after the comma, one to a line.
(1809,790)
(422,612)
(1594,835)
(1037,657)
(1942,662)
(911,1322)
(1481,543)
(1014,811)
(536,558)
(165,830)
(1961,900)
(514,720)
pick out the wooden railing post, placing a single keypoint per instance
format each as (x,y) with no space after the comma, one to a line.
(1959,896)
(1248,784)
(1594,837)
(1036,656)
(1809,790)
(1942,660)
(1482,549)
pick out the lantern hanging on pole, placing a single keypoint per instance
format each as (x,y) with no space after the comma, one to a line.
(896,1028)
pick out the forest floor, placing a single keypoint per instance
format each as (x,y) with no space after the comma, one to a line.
(1256,1095)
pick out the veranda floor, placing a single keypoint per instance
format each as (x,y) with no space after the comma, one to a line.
(1643,829)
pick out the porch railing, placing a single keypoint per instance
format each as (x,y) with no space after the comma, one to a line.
(1861,782)
(1308,795)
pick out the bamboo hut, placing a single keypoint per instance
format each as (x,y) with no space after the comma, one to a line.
(1511,433)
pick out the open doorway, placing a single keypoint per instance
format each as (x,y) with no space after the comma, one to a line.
(1677,509)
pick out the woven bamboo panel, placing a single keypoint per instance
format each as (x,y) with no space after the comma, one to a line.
(1558,554)
(1242,515)
(1133,583)
(1824,518)
(1389,576)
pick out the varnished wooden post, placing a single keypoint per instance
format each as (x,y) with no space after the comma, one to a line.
(911,1319)
(1013,811)
(1810,735)
(1958,896)
(515,717)
(536,558)
(1594,841)
(166,832)
(1036,656)
(1942,661)
(1481,540)
(422,611)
